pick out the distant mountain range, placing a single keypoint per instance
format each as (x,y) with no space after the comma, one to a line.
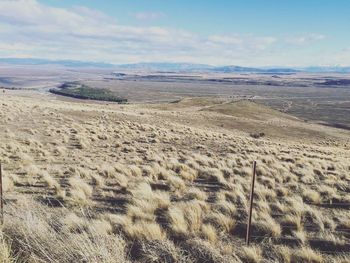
(167,66)
(172,67)
(64,63)
(328,69)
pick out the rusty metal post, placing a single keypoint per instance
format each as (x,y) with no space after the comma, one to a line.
(247,238)
(1,199)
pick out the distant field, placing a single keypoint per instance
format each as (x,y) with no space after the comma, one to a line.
(332,111)
(321,98)
(307,97)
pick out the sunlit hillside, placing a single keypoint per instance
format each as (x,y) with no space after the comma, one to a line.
(98,182)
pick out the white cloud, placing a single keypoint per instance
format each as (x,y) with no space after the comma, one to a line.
(14,47)
(149,15)
(31,29)
(305,39)
(229,40)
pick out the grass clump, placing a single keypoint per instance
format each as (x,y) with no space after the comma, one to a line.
(307,255)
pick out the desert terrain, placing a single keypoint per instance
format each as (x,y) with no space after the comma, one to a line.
(166,177)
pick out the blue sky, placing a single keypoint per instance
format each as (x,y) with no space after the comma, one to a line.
(226,32)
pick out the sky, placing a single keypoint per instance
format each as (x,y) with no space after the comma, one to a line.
(260,33)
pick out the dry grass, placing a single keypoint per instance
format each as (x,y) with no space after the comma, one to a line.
(209,233)
(80,191)
(6,253)
(161,251)
(306,255)
(220,221)
(252,254)
(145,231)
(49,181)
(177,220)
(312,196)
(268,226)
(35,238)
(165,186)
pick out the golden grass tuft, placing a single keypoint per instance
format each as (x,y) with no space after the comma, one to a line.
(6,254)
(269,226)
(196,193)
(143,230)
(251,254)
(307,255)
(80,192)
(176,183)
(161,251)
(209,233)
(312,196)
(283,254)
(49,180)
(73,223)
(177,221)
(7,183)
(220,221)
(292,221)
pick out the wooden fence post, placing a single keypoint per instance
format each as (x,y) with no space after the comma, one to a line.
(1,198)
(247,239)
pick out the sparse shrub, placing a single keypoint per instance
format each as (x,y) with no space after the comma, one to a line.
(257,135)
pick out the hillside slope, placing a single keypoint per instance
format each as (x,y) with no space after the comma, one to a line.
(99,182)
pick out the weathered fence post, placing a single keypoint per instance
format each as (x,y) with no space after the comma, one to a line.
(1,199)
(247,239)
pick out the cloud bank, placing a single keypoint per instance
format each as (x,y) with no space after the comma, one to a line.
(31,29)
